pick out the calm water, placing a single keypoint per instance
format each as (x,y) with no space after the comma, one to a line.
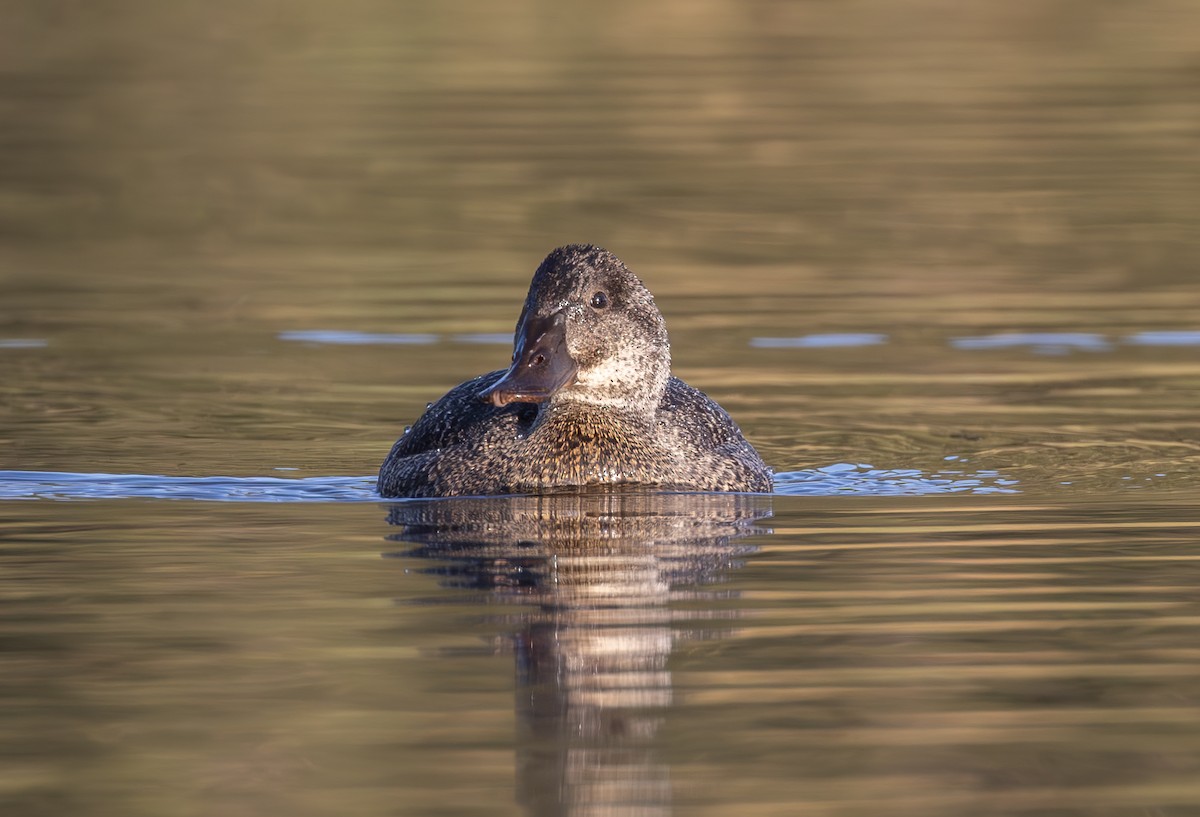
(940,262)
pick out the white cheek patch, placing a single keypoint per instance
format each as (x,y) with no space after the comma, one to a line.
(624,379)
(616,371)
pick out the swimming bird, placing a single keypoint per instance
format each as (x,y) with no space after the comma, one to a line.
(589,402)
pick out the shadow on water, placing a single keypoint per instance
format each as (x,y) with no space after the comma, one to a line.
(602,584)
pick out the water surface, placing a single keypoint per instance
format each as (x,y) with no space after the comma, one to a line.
(938,261)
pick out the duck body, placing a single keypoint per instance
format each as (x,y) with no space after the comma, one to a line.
(463,446)
(588,403)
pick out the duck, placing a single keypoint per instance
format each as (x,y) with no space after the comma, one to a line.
(588,403)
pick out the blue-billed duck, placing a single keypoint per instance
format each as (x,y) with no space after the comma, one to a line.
(588,402)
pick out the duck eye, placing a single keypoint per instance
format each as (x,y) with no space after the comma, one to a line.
(599,300)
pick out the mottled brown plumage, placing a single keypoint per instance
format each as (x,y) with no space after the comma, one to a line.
(589,402)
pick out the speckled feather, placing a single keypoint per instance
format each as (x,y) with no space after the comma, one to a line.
(604,429)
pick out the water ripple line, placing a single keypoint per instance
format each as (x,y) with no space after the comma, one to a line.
(832,480)
(73,486)
(865,480)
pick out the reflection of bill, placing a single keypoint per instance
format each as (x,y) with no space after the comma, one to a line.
(599,571)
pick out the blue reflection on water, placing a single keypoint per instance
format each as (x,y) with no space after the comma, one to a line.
(340,337)
(831,480)
(23,343)
(861,479)
(828,341)
(1164,338)
(1045,343)
(65,485)
(1061,343)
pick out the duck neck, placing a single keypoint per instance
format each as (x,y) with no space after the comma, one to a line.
(592,411)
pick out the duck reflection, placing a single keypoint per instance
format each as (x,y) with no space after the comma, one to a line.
(607,579)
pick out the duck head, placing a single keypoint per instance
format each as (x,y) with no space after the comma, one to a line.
(589,332)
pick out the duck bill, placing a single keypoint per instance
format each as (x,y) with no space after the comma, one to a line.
(541,364)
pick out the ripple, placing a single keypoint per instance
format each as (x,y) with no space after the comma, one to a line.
(346,338)
(842,478)
(1165,338)
(340,337)
(68,486)
(865,480)
(832,480)
(23,343)
(1042,343)
(826,341)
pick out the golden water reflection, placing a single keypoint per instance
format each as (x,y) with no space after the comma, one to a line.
(603,583)
(998,657)
(185,186)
